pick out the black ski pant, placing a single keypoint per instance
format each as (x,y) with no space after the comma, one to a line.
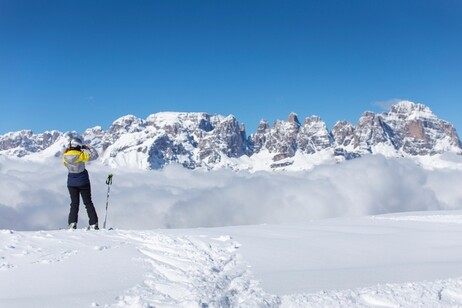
(85,192)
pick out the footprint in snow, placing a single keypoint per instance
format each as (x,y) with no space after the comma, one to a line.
(223,238)
(60,257)
(374,300)
(101,248)
(6,266)
(451,295)
(22,253)
(43,235)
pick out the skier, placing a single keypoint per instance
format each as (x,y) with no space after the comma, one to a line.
(78,181)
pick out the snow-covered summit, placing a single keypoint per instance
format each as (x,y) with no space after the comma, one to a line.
(24,142)
(418,131)
(187,119)
(411,109)
(126,124)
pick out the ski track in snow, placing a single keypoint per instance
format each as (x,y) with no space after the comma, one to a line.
(200,271)
(184,272)
(179,271)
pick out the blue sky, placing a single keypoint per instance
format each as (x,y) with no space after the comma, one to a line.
(70,65)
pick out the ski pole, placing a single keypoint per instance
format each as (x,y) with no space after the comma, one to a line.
(109,183)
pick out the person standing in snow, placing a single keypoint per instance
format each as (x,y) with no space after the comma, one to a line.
(78,181)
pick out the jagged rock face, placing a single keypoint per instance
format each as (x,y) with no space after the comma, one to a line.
(126,124)
(190,139)
(258,140)
(228,137)
(284,139)
(280,140)
(165,150)
(202,140)
(314,136)
(371,131)
(94,136)
(419,131)
(343,133)
(24,142)
(408,129)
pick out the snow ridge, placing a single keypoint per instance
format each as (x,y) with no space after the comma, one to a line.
(441,293)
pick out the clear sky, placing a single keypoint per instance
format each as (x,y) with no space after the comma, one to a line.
(74,64)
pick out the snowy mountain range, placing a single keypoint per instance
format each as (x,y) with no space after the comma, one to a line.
(332,237)
(200,140)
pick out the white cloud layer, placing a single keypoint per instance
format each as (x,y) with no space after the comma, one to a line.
(34,195)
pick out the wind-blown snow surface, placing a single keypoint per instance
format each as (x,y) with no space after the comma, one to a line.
(412,260)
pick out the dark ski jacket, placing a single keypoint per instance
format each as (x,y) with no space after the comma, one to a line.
(74,160)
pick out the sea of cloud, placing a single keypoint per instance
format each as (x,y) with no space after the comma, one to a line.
(34,196)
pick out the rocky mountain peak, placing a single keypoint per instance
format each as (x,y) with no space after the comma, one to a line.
(312,120)
(126,124)
(24,142)
(263,126)
(418,131)
(409,108)
(293,118)
(343,133)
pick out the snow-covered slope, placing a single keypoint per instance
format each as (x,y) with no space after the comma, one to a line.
(382,261)
(123,269)
(200,140)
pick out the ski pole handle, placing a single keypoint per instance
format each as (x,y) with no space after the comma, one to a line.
(109,179)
